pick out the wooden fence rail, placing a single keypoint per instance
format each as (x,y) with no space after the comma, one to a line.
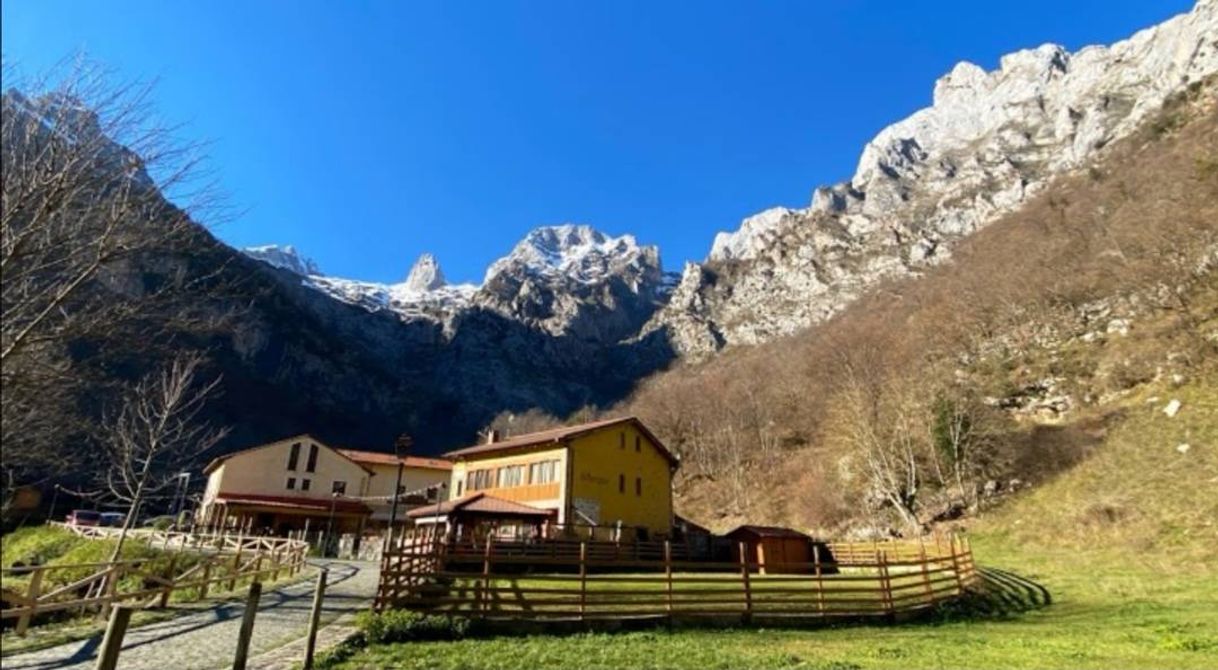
(191,565)
(862,579)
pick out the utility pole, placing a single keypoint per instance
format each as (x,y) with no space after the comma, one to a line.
(400,446)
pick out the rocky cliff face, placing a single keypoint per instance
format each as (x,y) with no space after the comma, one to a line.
(573,316)
(568,280)
(989,141)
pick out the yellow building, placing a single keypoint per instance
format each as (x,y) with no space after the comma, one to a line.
(608,475)
(300,482)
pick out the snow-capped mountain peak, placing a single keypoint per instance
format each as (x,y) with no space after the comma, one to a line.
(285,257)
(576,251)
(425,275)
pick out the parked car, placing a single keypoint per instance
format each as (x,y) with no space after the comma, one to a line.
(84,517)
(112,518)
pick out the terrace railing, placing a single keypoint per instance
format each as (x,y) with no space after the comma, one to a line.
(873,579)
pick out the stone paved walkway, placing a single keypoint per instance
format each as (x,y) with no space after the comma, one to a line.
(207,640)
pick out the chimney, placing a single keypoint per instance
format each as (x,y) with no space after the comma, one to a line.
(492,436)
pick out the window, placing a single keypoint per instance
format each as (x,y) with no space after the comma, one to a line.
(459,483)
(480,479)
(511,475)
(304,485)
(621,483)
(312,465)
(638,486)
(291,483)
(294,456)
(543,472)
(638,443)
(339,488)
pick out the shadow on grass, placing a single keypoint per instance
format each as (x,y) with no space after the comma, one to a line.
(1000,594)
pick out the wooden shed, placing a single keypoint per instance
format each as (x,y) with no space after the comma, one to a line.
(774,549)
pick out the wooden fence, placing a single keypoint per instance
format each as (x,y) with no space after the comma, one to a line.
(191,565)
(862,579)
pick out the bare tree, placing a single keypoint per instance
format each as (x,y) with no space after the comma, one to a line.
(87,178)
(155,433)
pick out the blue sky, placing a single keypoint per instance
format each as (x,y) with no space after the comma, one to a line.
(368,132)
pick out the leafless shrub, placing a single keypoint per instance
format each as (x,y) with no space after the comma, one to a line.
(154,434)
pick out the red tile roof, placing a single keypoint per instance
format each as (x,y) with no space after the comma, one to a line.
(479,503)
(296,502)
(557,435)
(379,458)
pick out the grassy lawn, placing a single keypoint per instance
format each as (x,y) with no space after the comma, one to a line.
(1104,615)
(1125,543)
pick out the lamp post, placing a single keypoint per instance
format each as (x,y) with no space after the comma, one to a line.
(400,446)
(180,498)
(54,499)
(330,524)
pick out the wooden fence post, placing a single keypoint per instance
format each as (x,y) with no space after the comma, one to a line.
(885,584)
(319,595)
(968,553)
(956,567)
(232,582)
(820,580)
(32,593)
(247,626)
(109,589)
(112,643)
(168,589)
(668,575)
(583,579)
(486,572)
(206,578)
(744,577)
(930,594)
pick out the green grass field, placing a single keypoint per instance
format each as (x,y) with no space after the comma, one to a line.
(1125,544)
(1103,615)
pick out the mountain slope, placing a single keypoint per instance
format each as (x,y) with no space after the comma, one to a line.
(1049,327)
(991,141)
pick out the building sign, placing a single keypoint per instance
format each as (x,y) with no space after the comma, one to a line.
(590,478)
(589,510)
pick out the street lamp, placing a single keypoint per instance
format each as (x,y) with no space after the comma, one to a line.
(54,499)
(330,524)
(400,446)
(180,498)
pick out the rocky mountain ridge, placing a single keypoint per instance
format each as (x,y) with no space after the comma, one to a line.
(559,279)
(989,141)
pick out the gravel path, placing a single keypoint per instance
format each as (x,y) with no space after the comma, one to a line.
(207,640)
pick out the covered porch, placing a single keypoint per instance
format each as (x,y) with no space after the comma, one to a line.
(283,515)
(479,516)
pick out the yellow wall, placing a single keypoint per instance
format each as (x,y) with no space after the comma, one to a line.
(544,496)
(597,462)
(589,468)
(264,471)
